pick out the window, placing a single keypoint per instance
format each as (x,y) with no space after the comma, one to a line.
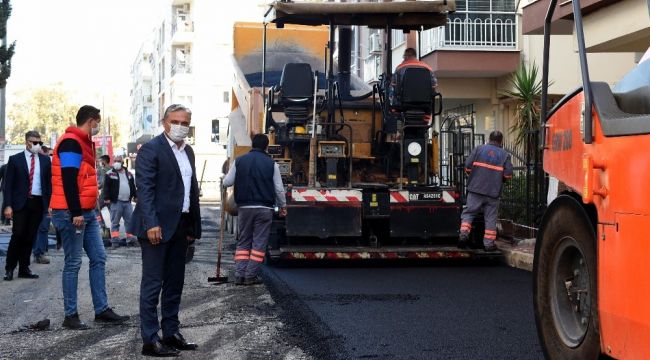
(398,37)
(215,130)
(191,136)
(161,107)
(226,97)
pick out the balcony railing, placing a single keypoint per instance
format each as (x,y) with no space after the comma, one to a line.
(182,26)
(472,34)
(181,68)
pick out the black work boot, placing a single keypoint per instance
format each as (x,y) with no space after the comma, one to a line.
(490,247)
(463,241)
(73,322)
(109,316)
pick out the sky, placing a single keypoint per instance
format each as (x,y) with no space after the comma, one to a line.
(88,45)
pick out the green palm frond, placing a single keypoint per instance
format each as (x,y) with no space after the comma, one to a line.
(526,91)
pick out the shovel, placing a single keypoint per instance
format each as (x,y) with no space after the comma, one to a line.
(217,278)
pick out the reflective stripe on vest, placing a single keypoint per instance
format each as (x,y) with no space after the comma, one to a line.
(487,166)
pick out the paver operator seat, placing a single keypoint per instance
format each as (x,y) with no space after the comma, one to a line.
(414,94)
(297,92)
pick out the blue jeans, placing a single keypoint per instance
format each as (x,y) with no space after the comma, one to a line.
(89,238)
(41,243)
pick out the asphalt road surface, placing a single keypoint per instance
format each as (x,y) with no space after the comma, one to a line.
(441,311)
(228,322)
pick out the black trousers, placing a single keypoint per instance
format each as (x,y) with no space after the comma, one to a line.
(24,231)
(163,276)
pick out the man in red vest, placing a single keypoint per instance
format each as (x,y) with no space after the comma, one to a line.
(74,198)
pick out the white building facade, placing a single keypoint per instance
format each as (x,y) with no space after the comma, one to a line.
(190,64)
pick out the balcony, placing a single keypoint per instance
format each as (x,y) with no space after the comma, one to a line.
(182,32)
(480,45)
(181,68)
(471,34)
(182,25)
(609,25)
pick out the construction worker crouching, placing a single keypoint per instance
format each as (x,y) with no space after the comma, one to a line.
(488,167)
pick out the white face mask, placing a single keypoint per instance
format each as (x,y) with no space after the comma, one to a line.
(178,133)
(35,149)
(94,131)
(117,165)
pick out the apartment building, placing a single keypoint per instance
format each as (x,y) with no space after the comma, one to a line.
(142,120)
(483,43)
(188,61)
(614,37)
(472,56)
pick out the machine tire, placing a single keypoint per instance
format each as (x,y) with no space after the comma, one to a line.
(565,266)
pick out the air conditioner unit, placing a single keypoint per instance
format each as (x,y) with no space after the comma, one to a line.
(375,44)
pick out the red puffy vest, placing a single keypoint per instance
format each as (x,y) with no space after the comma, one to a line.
(87,178)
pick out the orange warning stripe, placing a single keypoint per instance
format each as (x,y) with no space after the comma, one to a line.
(258,253)
(488,166)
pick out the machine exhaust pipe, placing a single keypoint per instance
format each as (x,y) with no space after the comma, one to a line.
(344,60)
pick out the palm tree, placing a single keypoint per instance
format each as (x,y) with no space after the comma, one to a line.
(526,91)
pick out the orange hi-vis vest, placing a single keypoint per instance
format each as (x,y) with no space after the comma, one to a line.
(87,178)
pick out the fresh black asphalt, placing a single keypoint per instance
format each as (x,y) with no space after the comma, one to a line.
(439,311)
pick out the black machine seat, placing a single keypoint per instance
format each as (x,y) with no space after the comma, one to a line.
(415,92)
(297,91)
(614,120)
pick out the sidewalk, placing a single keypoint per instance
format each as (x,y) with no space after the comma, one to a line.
(227,321)
(518,254)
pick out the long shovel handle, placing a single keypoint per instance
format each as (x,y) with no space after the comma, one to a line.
(219,246)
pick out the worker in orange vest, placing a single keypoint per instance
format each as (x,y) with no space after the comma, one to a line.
(74,199)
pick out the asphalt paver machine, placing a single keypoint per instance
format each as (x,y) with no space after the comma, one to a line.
(362,170)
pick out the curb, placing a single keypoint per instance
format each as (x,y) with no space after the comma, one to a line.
(519,255)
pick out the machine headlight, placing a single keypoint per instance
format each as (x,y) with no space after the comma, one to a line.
(414,149)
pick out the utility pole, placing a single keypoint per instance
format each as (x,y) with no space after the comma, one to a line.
(6,52)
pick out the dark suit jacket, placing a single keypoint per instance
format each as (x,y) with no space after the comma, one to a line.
(16,181)
(160,191)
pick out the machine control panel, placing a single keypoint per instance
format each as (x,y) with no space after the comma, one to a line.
(285,167)
(331,149)
(275,150)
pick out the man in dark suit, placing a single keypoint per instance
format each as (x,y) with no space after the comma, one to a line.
(3,170)
(27,191)
(166,218)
